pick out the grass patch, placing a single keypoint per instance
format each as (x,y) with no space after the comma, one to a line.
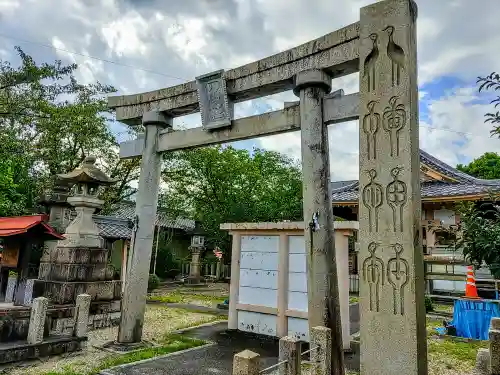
(353,299)
(196,299)
(443,308)
(169,344)
(463,351)
(213,318)
(431,325)
(447,355)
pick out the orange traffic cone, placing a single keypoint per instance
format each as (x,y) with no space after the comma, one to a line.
(470,285)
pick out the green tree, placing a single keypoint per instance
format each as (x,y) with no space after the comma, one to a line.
(492,82)
(480,235)
(49,123)
(12,201)
(222,184)
(486,166)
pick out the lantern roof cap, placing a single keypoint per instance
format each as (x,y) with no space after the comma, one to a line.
(88,172)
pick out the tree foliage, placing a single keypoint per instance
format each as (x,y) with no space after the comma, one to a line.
(222,184)
(492,82)
(480,235)
(48,124)
(486,166)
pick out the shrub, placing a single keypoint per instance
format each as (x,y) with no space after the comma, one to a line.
(429,306)
(153,282)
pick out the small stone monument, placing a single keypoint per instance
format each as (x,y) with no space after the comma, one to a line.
(196,248)
(79,264)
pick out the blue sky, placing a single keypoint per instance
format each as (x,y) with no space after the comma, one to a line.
(145,45)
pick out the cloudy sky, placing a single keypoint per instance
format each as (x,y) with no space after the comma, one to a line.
(141,45)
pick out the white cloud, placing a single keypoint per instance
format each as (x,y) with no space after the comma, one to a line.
(183,39)
(459,128)
(126,35)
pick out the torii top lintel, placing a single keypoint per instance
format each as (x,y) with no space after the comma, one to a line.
(336,53)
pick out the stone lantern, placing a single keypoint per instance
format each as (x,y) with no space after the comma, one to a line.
(86,181)
(79,264)
(196,248)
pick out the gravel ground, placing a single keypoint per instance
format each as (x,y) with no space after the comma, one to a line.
(207,296)
(158,321)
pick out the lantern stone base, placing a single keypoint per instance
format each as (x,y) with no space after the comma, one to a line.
(65,292)
(75,272)
(76,255)
(122,348)
(193,280)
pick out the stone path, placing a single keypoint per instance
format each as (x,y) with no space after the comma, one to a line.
(218,358)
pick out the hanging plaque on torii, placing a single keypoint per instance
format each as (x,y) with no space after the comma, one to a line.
(215,108)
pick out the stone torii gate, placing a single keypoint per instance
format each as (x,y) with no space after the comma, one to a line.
(382,47)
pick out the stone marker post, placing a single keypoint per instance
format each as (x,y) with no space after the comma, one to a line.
(482,362)
(321,345)
(322,283)
(136,283)
(246,363)
(82,314)
(494,338)
(289,350)
(393,336)
(37,320)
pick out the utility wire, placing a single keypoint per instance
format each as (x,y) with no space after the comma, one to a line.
(92,57)
(171,76)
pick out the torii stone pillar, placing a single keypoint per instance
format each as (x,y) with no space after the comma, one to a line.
(136,283)
(393,334)
(322,283)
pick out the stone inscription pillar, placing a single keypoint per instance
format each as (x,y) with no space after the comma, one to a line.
(195,271)
(393,336)
(322,284)
(133,303)
(37,320)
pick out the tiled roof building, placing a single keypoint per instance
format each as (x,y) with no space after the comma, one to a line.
(118,223)
(439,181)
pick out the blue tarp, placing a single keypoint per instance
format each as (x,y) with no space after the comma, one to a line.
(471,318)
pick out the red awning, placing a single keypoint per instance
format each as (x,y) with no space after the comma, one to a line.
(11,226)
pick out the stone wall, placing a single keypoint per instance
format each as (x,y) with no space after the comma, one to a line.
(14,324)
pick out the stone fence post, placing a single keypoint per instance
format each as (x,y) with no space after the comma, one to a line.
(488,360)
(494,336)
(289,351)
(82,315)
(37,320)
(11,289)
(246,363)
(321,349)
